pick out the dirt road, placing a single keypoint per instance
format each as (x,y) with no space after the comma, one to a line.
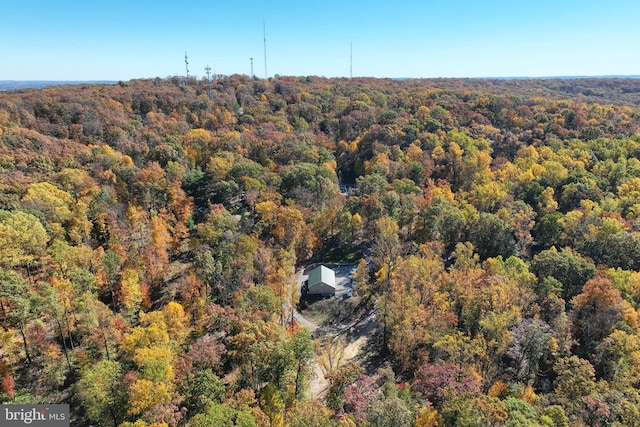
(356,334)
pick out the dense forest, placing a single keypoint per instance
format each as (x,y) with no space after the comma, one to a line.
(152,232)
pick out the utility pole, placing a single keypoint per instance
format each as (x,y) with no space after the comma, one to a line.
(208,70)
(251,67)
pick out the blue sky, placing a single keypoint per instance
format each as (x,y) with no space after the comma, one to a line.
(126,39)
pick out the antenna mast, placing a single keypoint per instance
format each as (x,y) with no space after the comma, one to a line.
(251,67)
(351,61)
(264,32)
(208,70)
(186,63)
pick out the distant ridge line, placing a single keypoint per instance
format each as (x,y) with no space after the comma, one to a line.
(6,85)
(37,84)
(612,76)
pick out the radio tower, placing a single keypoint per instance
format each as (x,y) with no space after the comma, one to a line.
(208,70)
(264,32)
(186,63)
(351,62)
(251,67)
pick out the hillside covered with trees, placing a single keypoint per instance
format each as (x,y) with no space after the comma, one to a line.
(151,233)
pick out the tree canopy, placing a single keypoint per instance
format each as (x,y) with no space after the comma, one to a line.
(152,233)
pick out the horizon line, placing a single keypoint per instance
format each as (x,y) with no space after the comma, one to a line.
(24,84)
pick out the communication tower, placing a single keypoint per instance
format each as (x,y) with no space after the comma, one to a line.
(351,61)
(264,32)
(208,70)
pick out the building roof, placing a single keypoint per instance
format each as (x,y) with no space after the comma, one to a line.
(322,274)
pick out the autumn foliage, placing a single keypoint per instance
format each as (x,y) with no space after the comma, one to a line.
(151,236)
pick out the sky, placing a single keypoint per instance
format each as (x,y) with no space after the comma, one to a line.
(128,39)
